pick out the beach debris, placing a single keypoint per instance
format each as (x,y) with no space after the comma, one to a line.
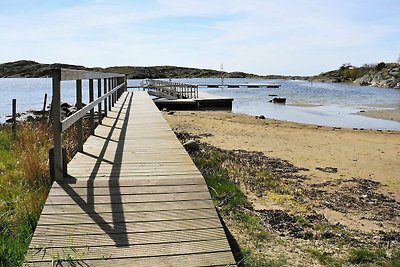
(327,169)
(278,100)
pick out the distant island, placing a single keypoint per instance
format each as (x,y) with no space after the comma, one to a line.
(380,75)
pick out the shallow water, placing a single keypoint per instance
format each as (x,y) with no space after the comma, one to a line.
(314,103)
(325,104)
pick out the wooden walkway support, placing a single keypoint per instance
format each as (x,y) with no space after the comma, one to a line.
(133,197)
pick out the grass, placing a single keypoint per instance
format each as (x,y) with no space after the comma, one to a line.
(24,185)
(363,255)
(324,258)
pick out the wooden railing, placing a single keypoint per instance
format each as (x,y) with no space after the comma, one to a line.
(173,89)
(113,87)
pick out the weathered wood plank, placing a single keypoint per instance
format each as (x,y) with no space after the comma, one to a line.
(101,227)
(90,240)
(150,206)
(146,250)
(189,260)
(143,216)
(128,190)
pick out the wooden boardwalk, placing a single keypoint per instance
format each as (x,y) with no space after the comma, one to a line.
(134,198)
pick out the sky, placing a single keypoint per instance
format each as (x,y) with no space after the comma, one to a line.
(289,37)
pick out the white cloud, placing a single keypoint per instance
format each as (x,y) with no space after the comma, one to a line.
(265,37)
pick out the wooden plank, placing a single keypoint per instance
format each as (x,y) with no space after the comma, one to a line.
(189,260)
(117,199)
(132,238)
(127,207)
(128,190)
(146,250)
(101,227)
(138,181)
(132,216)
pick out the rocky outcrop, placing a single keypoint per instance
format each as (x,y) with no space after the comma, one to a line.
(381,75)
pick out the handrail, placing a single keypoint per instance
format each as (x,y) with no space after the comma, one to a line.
(174,89)
(69,121)
(114,85)
(68,75)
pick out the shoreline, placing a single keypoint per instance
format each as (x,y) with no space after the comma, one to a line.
(383,114)
(369,155)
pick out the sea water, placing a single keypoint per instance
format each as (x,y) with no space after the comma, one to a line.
(325,104)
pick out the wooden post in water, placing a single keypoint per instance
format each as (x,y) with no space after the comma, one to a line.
(14,118)
(79,126)
(91,98)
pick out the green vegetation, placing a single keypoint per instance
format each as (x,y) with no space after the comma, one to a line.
(255,243)
(24,185)
(325,258)
(234,205)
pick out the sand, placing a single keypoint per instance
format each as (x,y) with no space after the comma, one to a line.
(367,154)
(385,114)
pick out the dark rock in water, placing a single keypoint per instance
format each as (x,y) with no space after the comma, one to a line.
(327,169)
(191,146)
(278,100)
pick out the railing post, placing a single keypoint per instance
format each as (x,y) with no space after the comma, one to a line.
(113,94)
(91,98)
(44,103)
(79,127)
(126,83)
(57,137)
(99,112)
(110,97)
(105,100)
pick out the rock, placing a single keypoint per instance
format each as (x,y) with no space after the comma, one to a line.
(327,169)
(261,117)
(191,146)
(171,113)
(278,100)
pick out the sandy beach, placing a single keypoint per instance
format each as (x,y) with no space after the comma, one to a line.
(365,154)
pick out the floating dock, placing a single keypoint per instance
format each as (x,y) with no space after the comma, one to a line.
(202,102)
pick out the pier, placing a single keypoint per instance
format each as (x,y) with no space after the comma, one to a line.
(183,96)
(131,196)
